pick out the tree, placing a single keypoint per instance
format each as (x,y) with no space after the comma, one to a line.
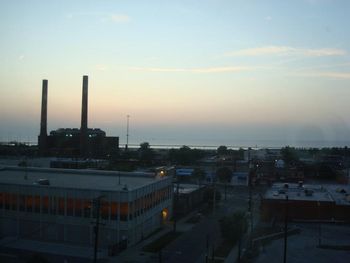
(240,154)
(144,146)
(37,258)
(208,195)
(233,227)
(222,150)
(185,155)
(145,153)
(224,174)
(199,174)
(289,155)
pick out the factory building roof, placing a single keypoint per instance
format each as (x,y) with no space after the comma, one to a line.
(69,132)
(75,179)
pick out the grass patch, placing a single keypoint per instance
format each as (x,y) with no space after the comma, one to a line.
(161,242)
(335,247)
(194,219)
(265,230)
(154,232)
(207,210)
(224,249)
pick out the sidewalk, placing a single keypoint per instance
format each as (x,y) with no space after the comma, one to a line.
(51,248)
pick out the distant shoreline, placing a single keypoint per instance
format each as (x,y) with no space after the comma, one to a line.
(268,144)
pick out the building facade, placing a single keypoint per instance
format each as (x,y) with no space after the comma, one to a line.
(57,205)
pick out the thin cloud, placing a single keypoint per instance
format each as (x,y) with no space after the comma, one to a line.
(317,1)
(327,66)
(102,16)
(101,67)
(268,18)
(193,70)
(329,74)
(120,18)
(288,51)
(221,69)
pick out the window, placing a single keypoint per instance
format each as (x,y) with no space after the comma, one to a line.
(53,205)
(104,210)
(124,211)
(61,206)
(114,210)
(21,202)
(29,203)
(78,207)
(14,202)
(70,206)
(45,204)
(37,204)
(7,201)
(87,208)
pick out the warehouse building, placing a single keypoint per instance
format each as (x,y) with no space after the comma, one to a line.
(309,202)
(61,206)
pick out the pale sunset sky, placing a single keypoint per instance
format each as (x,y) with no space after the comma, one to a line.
(204,72)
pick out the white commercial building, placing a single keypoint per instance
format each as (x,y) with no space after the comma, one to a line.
(57,205)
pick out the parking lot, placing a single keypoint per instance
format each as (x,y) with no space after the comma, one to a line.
(303,247)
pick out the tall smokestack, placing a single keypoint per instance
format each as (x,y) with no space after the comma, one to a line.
(84,105)
(42,140)
(84,118)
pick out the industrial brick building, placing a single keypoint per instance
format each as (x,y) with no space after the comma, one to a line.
(307,202)
(74,142)
(59,205)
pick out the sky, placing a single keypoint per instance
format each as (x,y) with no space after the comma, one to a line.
(205,72)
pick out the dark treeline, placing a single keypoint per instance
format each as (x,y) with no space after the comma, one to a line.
(185,155)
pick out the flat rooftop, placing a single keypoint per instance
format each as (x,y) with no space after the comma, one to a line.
(317,192)
(338,193)
(187,188)
(76,179)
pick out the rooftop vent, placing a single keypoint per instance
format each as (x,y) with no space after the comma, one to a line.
(281,191)
(300,183)
(42,182)
(309,192)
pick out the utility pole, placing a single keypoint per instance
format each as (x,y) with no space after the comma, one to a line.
(239,249)
(160,256)
(25,168)
(127,132)
(214,198)
(176,204)
(252,171)
(207,249)
(213,253)
(285,231)
(319,224)
(97,206)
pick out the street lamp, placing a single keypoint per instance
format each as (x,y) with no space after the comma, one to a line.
(285,230)
(127,132)
(319,224)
